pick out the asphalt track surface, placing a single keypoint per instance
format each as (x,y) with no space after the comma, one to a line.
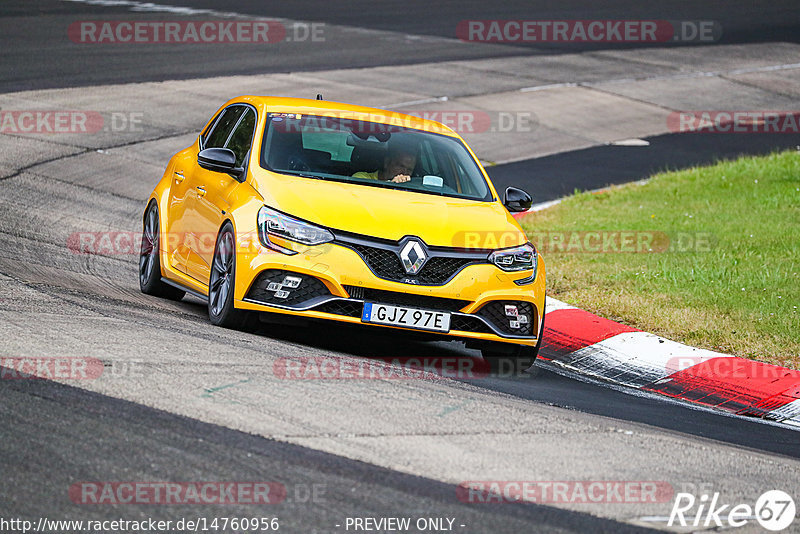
(37,52)
(742,21)
(141,443)
(55,435)
(555,176)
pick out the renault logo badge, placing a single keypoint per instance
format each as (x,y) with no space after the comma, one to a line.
(413,256)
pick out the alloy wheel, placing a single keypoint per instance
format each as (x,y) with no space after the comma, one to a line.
(149,249)
(221,281)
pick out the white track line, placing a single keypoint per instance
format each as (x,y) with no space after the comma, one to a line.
(676,76)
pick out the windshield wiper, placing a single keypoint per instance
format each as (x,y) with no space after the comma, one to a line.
(305,175)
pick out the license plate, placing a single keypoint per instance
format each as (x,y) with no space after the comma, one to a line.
(408,317)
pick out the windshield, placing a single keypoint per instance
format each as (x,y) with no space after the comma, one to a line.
(371,154)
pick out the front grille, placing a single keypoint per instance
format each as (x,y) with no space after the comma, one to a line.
(406,299)
(495,313)
(385,263)
(469,324)
(309,288)
(439,269)
(342,307)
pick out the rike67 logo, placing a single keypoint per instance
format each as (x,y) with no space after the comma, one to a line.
(774,510)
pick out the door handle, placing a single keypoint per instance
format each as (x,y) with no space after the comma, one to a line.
(201,191)
(179,177)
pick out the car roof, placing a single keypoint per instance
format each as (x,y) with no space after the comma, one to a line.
(307,106)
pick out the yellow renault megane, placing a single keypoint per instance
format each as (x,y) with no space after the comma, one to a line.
(332,211)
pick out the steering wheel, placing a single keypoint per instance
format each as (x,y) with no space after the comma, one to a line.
(297,163)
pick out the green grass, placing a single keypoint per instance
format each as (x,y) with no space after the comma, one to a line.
(737,290)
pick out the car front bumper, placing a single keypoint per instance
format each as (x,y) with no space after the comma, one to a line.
(333,281)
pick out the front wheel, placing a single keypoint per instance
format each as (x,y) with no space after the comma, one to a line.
(221,284)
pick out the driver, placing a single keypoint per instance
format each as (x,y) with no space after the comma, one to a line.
(401,158)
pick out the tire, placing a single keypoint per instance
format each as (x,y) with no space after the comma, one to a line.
(518,358)
(150,260)
(221,284)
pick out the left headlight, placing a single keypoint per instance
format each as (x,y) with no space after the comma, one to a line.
(520,258)
(271,222)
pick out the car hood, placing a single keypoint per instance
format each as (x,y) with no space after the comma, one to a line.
(391,213)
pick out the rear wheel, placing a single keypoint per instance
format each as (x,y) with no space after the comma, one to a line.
(515,358)
(221,284)
(150,260)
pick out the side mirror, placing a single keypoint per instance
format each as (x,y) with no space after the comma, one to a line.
(516,200)
(220,160)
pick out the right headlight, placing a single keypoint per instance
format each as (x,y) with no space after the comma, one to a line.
(522,258)
(275,223)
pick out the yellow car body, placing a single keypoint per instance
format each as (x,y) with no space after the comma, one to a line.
(194,203)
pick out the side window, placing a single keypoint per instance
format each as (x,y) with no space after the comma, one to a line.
(219,133)
(242,136)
